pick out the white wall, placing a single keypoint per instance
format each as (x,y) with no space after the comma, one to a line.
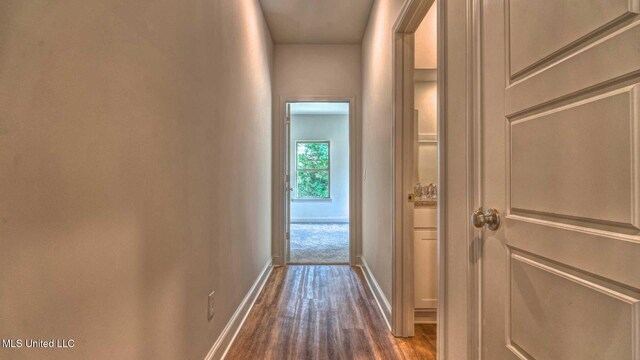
(426,102)
(304,70)
(426,41)
(377,151)
(128,133)
(334,128)
(426,94)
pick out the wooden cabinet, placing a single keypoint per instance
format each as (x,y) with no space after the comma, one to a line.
(426,265)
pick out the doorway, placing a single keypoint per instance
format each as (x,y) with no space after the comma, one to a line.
(418,172)
(425,209)
(318,191)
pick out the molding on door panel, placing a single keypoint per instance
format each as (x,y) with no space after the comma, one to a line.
(541,90)
(598,285)
(564,51)
(632,218)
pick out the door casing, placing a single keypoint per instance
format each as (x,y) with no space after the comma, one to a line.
(280,254)
(458,174)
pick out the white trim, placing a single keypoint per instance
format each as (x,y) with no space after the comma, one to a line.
(225,340)
(377,292)
(442,89)
(474,181)
(340,220)
(455,96)
(279,240)
(404,175)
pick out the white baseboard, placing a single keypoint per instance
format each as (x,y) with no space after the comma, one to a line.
(341,220)
(277,261)
(378,294)
(223,343)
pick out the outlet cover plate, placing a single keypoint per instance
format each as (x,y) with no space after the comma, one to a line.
(210,311)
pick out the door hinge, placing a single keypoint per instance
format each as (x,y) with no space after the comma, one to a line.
(287,235)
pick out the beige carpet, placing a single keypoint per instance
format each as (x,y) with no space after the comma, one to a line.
(319,243)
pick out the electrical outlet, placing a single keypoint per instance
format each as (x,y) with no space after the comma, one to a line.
(211,309)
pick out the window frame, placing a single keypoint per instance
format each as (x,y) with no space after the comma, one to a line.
(328,169)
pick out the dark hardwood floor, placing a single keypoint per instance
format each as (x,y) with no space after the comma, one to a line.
(323,312)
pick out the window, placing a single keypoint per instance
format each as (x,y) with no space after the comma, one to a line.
(312,169)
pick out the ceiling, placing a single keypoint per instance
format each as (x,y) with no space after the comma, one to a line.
(319,108)
(317,21)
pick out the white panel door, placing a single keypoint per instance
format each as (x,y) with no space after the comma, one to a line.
(561,164)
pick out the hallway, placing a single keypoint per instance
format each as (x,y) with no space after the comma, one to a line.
(306,179)
(323,312)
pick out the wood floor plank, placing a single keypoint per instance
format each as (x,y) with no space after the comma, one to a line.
(323,312)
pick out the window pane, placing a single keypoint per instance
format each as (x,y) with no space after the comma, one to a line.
(313,184)
(312,155)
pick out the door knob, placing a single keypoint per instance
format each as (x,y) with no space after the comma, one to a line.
(489,217)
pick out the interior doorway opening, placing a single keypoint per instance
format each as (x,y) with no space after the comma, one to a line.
(425,211)
(418,174)
(317,170)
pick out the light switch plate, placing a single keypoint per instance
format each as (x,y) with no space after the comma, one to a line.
(211,309)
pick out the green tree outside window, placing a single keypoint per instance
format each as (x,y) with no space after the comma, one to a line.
(312,169)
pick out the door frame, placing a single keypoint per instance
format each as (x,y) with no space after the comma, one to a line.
(410,17)
(280,253)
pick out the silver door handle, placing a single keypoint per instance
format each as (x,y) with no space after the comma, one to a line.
(490,217)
